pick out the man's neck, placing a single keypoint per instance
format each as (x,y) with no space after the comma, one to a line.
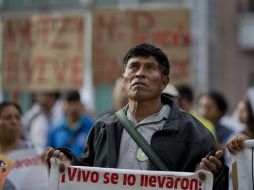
(141,110)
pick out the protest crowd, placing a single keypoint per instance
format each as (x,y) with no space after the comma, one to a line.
(115,94)
(180,127)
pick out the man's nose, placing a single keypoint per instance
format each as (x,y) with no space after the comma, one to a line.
(140,72)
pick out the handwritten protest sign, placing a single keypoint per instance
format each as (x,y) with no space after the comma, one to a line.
(92,178)
(5,167)
(43,52)
(243,167)
(28,172)
(115,31)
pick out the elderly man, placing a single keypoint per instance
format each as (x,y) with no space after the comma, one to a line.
(179,140)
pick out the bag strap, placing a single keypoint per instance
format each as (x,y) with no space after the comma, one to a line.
(141,142)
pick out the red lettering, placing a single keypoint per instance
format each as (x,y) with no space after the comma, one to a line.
(124,179)
(106,178)
(142,21)
(59,68)
(85,175)
(185,183)
(27,162)
(170,182)
(106,27)
(152,181)
(9,32)
(27,67)
(131,179)
(76,71)
(144,180)
(79,175)
(194,184)
(71,173)
(26,33)
(18,164)
(63,178)
(161,181)
(18,32)
(12,60)
(114,178)
(94,177)
(41,61)
(176,182)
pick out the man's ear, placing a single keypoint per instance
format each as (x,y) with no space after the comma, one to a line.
(123,81)
(165,80)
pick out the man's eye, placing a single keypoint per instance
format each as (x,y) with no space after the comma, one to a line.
(132,66)
(150,67)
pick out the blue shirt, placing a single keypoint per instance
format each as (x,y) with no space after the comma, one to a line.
(73,138)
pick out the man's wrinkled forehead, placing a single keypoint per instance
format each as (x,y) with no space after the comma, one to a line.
(142,60)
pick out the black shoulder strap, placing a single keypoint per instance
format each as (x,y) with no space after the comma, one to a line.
(141,142)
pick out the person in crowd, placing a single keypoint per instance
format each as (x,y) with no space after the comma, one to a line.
(119,95)
(10,126)
(10,141)
(178,138)
(171,91)
(245,108)
(75,125)
(37,121)
(246,116)
(213,106)
(185,102)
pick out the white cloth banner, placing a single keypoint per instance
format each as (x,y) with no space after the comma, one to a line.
(28,172)
(243,167)
(93,178)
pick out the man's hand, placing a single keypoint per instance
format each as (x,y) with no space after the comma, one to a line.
(236,144)
(212,163)
(59,155)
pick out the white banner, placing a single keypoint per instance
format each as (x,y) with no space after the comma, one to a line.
(93,178)
(28,172)
(243,167)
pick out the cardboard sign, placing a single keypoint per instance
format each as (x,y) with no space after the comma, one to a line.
(93,178)
(115,31)
(43,53)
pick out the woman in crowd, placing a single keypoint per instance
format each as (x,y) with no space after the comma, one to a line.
(246,116)
(213,107)
(11,146)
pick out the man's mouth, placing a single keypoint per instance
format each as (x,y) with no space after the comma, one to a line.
(139,83)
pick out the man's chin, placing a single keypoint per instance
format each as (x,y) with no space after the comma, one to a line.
(140,97)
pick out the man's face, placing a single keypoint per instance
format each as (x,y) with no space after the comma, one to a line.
(73,108)
(45,100)
(143,79)
(10,124)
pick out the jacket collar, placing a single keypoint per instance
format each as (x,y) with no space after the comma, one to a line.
(172,123)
